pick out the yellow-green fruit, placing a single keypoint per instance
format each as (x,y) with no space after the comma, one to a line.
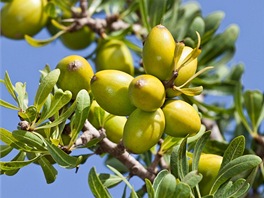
(75,74)
(114,54)
(147,92)
(188,70)
(79,39)
(21,17)
(209,166)
(110,90)
(181,118)
(97,115)
(114,127)
(143,130)
(158,53)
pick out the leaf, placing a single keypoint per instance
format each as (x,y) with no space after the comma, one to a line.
(235,149)
(30,139)
(109,180)
(49,171)
(235,167)
(40,43)
(156,11)
(14,165)
(5,150)
(50,9)
(81,114)
(168,143)
(133,193)
(198,148)
(59,100)
(45,87)
(143,7)
(150,189)
(30,114)
(182,190)
(190,91)
(159,178)
(192,178)
(167,187)
(22,96)
(253,101)
(239,186)
(63,159)
(9,86)
(96,185)
(19,157)
(8,105)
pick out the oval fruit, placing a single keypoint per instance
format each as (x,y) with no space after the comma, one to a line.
(147,92)
(209,166)
(97,115)
(143,130)
(186,71)
(75,74)
(21,17)
(110,90)
(181,118)
(158,53)
(114,127)
(114,54)
(79,39)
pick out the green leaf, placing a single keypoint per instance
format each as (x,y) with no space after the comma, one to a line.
(8,105)
(19,157)
(143,7)
(133,193)
(45,87)
(9,86)
(96,185)
(81,114)
(59,100)
(22,96)
(150,189)
(50,9)
(238,187)
(254,102)
(156,11)
(198,148)
(167,187)
(40,43)
(192,178)
(30,139)
(182,190)
(63,159)
(14,165)
(7,137)
(168,143)
(109,180)
(5,150)
(190,91)
(235,167)
(30,114)
(49,171)
(159,178)
(235,149)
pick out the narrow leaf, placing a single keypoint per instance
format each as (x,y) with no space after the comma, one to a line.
(49,171)
(96,185)
(45,87)
(22,96)
(235,149)
(238,186)
(8,105)
(192,178)
(30,114)
(19,157)
(9,86)
(150,189)
(159,178)
(5,150)
(182,190)
(109,180)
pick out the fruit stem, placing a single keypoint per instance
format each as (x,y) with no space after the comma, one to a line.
(170,83)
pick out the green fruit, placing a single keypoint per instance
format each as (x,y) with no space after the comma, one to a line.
(114,127)
(110,90)
(186,71)
(181,118)
(79,39)
(143,130)
(147,92)
(114,54)
(97,115)
(23,17)
(209,166)
(75,74)
(158,53)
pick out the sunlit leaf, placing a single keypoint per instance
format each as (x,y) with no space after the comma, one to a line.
(150,189)
(19,157)
(9,86)
(49,171)
(30,114)
(8,105)
(5,150)
(22,96)
(109,180)
(192,178)
(182,190)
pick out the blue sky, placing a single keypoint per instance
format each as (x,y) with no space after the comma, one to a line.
(23,63)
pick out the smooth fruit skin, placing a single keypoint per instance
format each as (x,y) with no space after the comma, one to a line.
(110,90)
(79,39)
(209,166)
(21,17)
(188,70)
(76,74)
(114,54)
(158,53)
(147,92)
(143,130)
(114,127)
(181,118)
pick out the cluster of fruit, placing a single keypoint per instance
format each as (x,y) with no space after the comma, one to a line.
(138,108)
